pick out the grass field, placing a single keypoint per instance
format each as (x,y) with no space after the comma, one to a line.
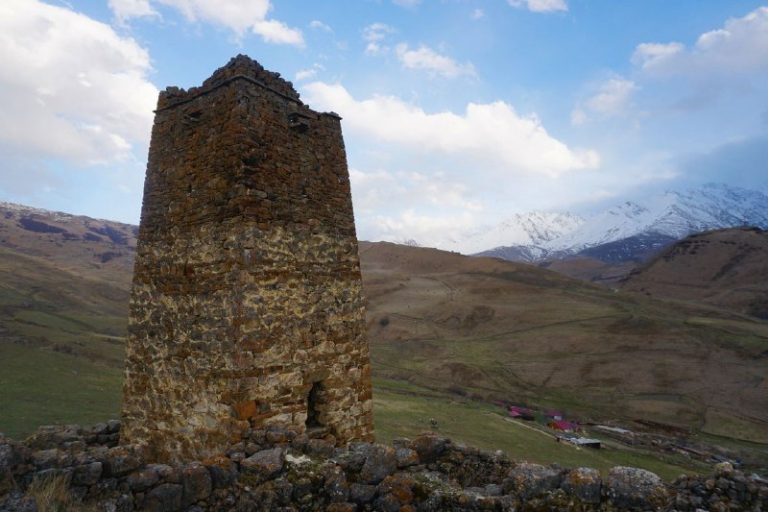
(403,410)
(41,387)
(449,335)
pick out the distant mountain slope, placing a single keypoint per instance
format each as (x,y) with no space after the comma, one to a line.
(530,232)
(77,244)
(504,330)
(473,326)
(727,268)
(64,284)
(633,228)
(673,214)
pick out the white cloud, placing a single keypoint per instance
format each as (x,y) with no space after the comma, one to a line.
(374,35)
(477,14)
(491,134)
(612,97)
(427,59)
(380,189)
(273,31)
(306,74)
(237,15)
(540,5)
(740,46)
(648,55)
(125,9)
(428,230)
(319,25)
(72,87)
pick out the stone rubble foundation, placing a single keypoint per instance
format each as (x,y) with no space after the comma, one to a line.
(282,470)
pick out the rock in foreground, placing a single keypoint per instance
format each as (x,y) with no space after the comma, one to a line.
(277,469)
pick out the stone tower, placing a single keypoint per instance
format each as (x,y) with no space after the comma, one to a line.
(246,307)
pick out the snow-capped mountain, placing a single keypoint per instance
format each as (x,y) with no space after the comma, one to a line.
(645,224)
(674,214)
(532,230)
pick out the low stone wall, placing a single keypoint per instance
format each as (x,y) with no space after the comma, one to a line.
(277,469)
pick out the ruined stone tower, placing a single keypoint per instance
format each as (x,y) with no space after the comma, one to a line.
(246,305)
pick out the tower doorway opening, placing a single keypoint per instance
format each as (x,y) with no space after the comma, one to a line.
(315,403)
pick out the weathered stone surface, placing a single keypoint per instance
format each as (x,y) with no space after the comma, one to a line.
(87,474)
(223,472)
(379,462)
(284,478)
(634,488)
(406,457)
(46,458)
(196,483)
(121,461)
(584,484)
(429,447)
(264,464)
(530,480)
(143,478)
(246,306)
(164,498)
(362,493)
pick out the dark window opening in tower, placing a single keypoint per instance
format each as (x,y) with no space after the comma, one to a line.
(314,403)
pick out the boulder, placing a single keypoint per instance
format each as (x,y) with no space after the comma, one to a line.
(196,483)
(635,489)
(583,484)
(265,464)
(87,474)
(429,447)
(223,472)
(530,480)
(362,494)
(164,498)
(380,462)
(121,460)
(406,457)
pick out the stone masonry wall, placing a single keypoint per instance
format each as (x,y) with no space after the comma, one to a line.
(246,297)
(277,469)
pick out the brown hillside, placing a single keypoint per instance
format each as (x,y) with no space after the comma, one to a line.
(591,269)
(726,268)
(503,330)
(474,326)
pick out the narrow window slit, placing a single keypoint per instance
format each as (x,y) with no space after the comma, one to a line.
(314,406)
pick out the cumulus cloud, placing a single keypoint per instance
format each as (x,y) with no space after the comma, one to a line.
(306,74)
(649,55)
(319,25)
(57,104)
(613,96)
(740,46)
(126,9)
(375,190)
(427,59)
(491,134)
(236,15)
(540,5)
(477,14)
(374,35)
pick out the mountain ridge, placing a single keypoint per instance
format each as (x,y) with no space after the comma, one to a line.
(539,236)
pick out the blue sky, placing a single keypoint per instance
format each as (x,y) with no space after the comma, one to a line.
(457,113)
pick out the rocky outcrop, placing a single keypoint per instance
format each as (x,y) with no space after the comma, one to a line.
(279,469)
